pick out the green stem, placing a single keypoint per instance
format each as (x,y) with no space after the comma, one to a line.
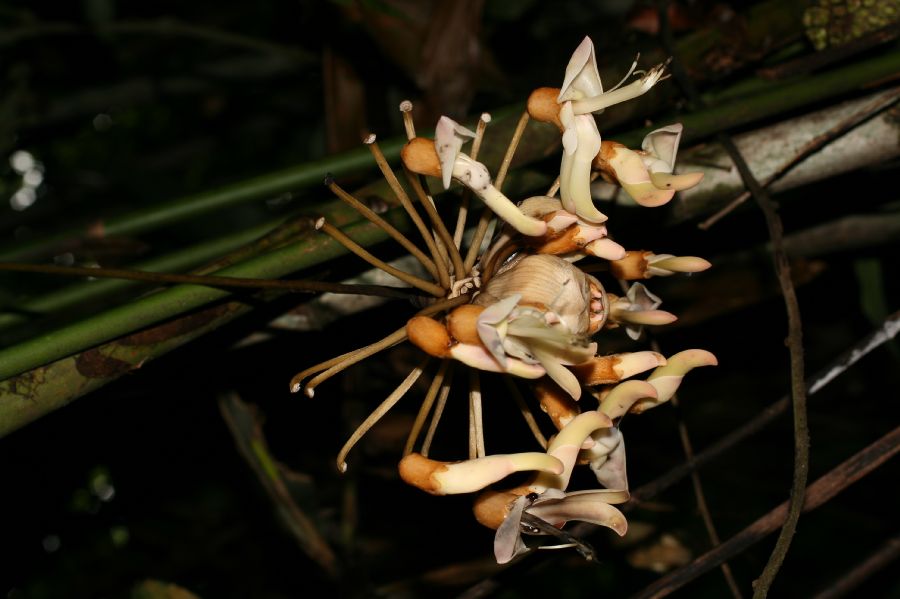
(85,291)
(151,309)
(181,209)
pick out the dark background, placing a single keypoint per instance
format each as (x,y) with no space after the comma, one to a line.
(127,104)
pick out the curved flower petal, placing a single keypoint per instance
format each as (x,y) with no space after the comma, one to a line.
(594,511)
(667,181)
(666,379)
(619,400)
(582,78)
(566,446)
(447,478)
(667,264)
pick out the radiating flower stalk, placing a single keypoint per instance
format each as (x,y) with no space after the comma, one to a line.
(524,308)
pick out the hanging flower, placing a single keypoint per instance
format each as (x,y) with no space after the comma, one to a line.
(545,496)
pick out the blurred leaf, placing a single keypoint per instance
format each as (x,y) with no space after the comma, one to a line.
(245,425)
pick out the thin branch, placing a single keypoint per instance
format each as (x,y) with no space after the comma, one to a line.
(798,388)
(699,494)
(208,280)
(884,333)
(818,493)
(792,307)
(884,555)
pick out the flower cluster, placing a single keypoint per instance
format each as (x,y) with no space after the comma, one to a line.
(523,307)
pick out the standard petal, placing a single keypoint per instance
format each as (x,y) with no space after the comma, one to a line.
(582,78)
(662,144)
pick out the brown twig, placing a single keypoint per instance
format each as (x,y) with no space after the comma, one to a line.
(792,307)
(866,113)
(798,388)
(208,280)
(818,493)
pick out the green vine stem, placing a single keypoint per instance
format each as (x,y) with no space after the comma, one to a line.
(154,308)
(90,291)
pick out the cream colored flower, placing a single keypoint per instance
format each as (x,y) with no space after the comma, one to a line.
(442,158)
